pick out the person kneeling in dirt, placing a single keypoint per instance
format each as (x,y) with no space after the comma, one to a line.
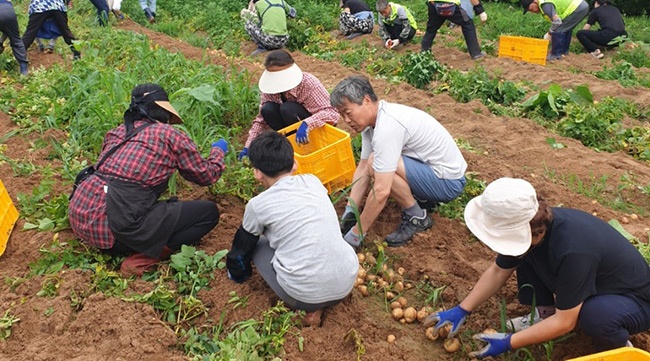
(356,18)
(117,208)
(611,26)
(266,23)
(410,156)
(396,24)
(289,95)
(41,10)
(565,259)
(290,232)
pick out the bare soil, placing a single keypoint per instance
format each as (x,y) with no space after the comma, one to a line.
(107,328)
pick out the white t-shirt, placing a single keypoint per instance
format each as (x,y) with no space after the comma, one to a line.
(403,130)
(313,262)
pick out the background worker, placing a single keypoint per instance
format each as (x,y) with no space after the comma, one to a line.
(41,10)
(266,23)
(611,26)
(396,24)
(356,18)
(577,268)
(289,95)
(441,10)
(564,16)
(409,155)
(290,232)
(9,28)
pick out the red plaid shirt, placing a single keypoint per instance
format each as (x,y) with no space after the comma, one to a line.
(149,158)
(311,94)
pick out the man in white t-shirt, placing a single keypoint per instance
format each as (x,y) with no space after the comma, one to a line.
(291,233)
(410,156)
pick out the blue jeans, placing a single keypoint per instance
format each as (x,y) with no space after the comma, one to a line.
(102,11)
(426,186)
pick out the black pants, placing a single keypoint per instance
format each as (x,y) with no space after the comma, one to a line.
(279,116)
(592,39)
(102,11)
(61,21)
(526,277)
(395,30)
(196,220)
(460,18)
(9,27)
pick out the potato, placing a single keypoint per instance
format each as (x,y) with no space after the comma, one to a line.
(444,331)
(451,345)
(361,273)
(390,295)
(402,321)
(390,338)
(490,331)
(371,277)
(394,305)
(409,286)
(358,282)
(431,333)
(363,289)
(401,271)
(397,313)
(422,314)
(398,287)
(410,314)
(390,275)
(625,220)
(370,259)
(403,301)
(634,217)
(361,257)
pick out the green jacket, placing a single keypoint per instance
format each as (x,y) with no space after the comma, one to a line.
(563,8)
(273,16)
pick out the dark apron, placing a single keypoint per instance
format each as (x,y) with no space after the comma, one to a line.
(137,218)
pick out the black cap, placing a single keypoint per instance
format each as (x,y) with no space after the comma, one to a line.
(525,4)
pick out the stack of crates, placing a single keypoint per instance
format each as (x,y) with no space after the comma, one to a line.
(328,155)
(8,217)
(619,354)
(530,50)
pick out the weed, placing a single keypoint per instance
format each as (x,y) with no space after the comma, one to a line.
(6,322)
(456,207)
(353,336)
(195,269)
(419,69)
(49,286)
(237,301)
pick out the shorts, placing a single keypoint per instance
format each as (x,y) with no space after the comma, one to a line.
(426,186)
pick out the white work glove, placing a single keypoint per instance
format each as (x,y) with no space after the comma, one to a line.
(483,16)
(394,43)
(388,43)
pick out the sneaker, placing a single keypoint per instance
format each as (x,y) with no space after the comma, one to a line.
(41,48)
(258,51)
(521,323)
(479,55)
(430,206)
(353,35)
(408,227)
(24,69)
(597,54)
(76,55)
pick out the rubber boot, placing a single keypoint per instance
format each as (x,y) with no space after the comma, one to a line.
(24,68)
(557,46)
(149,16)
(567,42)
(76,55)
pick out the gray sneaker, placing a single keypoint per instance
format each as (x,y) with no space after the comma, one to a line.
(521,323)
(408,227)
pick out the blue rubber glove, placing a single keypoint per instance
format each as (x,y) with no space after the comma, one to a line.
(221,143)
(352,238)
(498,343)
(301,133)
(242,154)
(455,317)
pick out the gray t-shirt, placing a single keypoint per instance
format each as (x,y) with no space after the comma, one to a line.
(313,262)
(403,130)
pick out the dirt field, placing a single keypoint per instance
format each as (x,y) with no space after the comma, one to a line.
(110,329)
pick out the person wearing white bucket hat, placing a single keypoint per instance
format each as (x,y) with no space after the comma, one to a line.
(576,268)
(289,95)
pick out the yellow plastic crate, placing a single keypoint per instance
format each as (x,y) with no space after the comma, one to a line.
(8,217)
(522,48)
(619,354)
(328,155)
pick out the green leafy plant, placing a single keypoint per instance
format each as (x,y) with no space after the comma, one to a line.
(6,322)
(419,69)
(195,269)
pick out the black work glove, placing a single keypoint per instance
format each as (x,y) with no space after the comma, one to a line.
(348,220)
(239,268)
(478,9)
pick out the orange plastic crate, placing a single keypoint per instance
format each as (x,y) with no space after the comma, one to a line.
(522,48)
(328,155)
(619,354)
(8,217)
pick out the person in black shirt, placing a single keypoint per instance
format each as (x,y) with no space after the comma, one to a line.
(356,18)
(577,268)
(611,26)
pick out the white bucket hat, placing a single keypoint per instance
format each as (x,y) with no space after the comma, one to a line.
(274,82)
(500,217)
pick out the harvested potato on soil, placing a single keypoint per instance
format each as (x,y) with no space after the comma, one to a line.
(363,289)
(390,338)
(451,345)
(410,314)
(361,257)
(431,333)
(490,331)
(394,305)
(397,313)
(422,314)
(444,331)
(403,301)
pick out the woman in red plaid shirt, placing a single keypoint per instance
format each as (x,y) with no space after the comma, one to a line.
(117,210)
